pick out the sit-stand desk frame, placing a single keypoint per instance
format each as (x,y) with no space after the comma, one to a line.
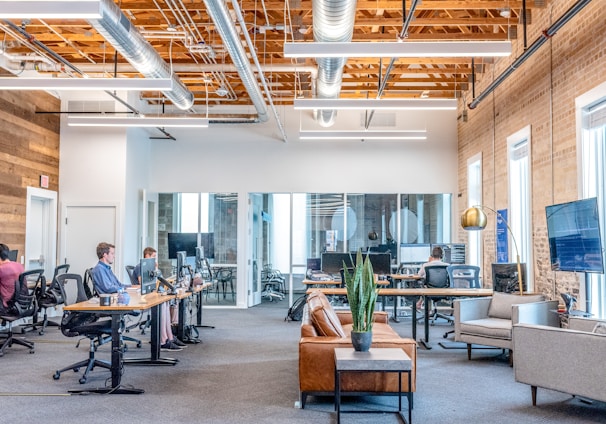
(152,301)
(195,291)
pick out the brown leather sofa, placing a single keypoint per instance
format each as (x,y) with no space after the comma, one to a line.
(322,330)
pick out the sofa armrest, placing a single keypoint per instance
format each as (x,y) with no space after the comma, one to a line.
(539,313)
(560,359)
(346,318)
(583,324)
(471,308)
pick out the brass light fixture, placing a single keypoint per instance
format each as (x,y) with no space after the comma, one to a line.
(474,218)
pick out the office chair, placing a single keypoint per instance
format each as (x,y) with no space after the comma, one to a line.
(22,305)
(47,297)
(436,276)
(75,323)
(463,276)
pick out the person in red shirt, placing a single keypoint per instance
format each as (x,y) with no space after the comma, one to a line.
(9,273)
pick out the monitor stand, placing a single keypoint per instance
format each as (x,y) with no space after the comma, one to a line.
(142,299)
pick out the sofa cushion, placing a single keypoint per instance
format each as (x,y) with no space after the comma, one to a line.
(495,328)
(501,303)
(323,316)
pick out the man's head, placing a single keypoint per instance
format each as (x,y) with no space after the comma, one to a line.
(4,251)
(106,252)
(149,252)
(437,253)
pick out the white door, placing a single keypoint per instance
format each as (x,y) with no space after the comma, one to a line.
(256,248)
(83,228)
(41,230)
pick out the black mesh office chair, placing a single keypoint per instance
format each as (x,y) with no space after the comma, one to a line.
(86,324)
(22,305)
(436,276)
(47,297)
(131,275)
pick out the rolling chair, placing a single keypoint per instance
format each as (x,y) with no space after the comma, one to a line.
(130,271)
(436,276)
(143,325)
(47,297)
(463,276)
(23,305)
(74,324)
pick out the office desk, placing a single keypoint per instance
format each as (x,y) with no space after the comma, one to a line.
(416,293)
(153,300)
(195,291)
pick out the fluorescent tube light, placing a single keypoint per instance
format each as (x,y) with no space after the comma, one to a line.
(376,104)
(154,121)
(65,9)
(362,135)
(110,84)
(399,49)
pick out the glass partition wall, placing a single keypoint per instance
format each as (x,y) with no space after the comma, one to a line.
(285,230)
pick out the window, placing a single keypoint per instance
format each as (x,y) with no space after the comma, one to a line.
(474,197)
(519,199)
(593,159)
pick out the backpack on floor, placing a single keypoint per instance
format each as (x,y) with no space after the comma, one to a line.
(295,312)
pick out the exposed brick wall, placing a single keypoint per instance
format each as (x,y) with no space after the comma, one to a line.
(541,93)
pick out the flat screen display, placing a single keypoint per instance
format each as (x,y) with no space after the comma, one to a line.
(148,277)
(573,230)
(332,262)
(182,242)
(414,253)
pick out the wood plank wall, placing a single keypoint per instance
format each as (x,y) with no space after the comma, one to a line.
(29,147)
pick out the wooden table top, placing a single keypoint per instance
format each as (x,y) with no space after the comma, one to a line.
(337,283)
(422,291)
(135,304)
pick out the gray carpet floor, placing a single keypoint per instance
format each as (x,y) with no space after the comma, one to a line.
(245,371)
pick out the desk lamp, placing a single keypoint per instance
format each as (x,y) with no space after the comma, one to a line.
(474,218)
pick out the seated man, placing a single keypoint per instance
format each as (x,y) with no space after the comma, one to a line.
(106,282)
(435,259)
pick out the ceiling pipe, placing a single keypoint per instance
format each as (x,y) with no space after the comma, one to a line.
(115,27)
(333,21)
(546,35)
(221,17)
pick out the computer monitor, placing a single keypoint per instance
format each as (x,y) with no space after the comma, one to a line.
(199,257)
(332,262)
(381,262)
(178,242)
(148,275)
(181,262)
(454,253)
(414,253)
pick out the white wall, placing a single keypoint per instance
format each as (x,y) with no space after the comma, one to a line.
(115,165)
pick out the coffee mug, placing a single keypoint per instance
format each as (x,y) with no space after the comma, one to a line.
(105,299)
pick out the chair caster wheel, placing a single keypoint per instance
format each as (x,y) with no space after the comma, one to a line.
(76,369)
(56,376)
(139,344)
(125,349)
(41,332)
(82,380)
(32,351)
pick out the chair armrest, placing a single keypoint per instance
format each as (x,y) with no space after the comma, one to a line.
(345,317)
(583,324)
(471,308)
(539,313)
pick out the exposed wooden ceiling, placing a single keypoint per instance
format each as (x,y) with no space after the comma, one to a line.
(184,35)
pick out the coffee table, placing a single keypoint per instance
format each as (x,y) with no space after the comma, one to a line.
(375,360)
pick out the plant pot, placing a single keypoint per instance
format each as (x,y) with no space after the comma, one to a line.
(361,340)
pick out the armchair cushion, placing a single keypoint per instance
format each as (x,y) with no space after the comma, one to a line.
(492,328)
(325,320)
(501,303)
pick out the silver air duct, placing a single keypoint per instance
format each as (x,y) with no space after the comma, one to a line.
(115,27)
(218,12)
(333,20)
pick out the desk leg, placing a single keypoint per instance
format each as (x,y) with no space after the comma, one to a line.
(154,359)
(396,300)
(116,366)
(425,342)
(199,312)
(338,395)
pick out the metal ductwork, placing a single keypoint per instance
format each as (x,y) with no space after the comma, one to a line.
(115,27)
(218,12)
(333,21)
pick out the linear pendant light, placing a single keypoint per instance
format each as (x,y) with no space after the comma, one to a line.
(362,135)
(376,104)
(399,49)
(120,84)
(65,9)
(154,121)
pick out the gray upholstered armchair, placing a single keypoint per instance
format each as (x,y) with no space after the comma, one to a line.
(489,320)
(564,359)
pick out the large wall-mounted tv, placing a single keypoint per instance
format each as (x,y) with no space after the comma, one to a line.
(573,230)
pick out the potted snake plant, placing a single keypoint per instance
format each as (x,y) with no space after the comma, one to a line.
(362,296)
